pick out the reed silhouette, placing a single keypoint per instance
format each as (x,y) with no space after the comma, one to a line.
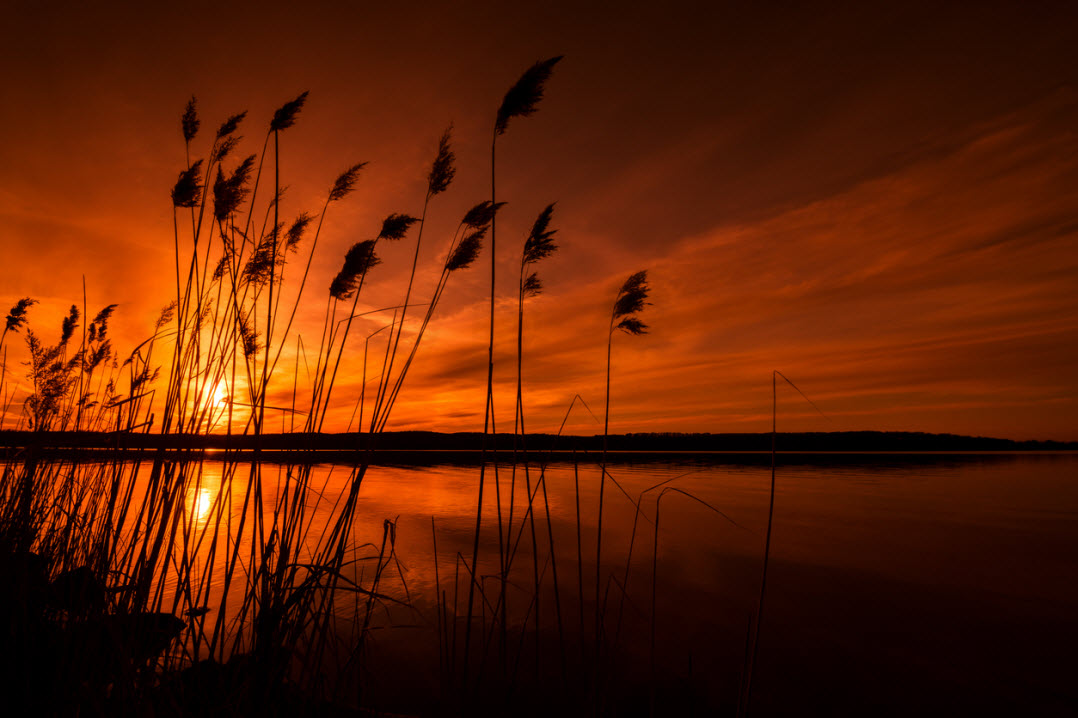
(215,588)
(520,100)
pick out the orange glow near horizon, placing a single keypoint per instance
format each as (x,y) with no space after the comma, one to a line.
(892,224)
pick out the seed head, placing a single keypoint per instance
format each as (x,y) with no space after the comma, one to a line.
(190,121)
(229,126)
(540,241)
(263,260)
(99,326)
(223,149)
(248,335)
(631,299)
(67,327)
(522,98)
(396,226)
(285,116)
(532,285)
(98,354)
(295,232)
(188,189)
(228,194)
(466,251)
(481,215)
(359,259)
(166,315)
(442,171)
(632,325)
(346,182)
(16,318)
(222,266)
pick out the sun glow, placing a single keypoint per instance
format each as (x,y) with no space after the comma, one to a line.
(220,393)
(201,495)
(199,502)
(214,405)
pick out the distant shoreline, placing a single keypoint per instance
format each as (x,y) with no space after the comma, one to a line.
(422,446)
(468,457)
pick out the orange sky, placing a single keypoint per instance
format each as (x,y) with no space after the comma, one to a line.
(879,203)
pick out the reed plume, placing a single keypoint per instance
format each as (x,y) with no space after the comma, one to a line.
(466,251)
(248,335)
(101,319)
(481,215)
(187,191)
(229,193)
(223,149)
(395,226)
(260,265)
(99,326)
(230,125)
(522,98)
(538,246)
(346,182)
(295,232)
(190,121)
(16,318)
(358,260)
(166,315)
(97,354)
(540,242)
(442,171)
(632,296)
(70,323)
(285,116)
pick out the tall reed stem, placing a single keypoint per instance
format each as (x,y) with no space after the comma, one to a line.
(746,695)
(488,412)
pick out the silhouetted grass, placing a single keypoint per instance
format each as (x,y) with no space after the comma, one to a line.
(214,587)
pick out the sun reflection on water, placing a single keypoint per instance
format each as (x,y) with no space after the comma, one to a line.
(200,505)
(201,495)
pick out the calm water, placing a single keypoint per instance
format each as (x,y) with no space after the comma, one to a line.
(928,584)
(934,583)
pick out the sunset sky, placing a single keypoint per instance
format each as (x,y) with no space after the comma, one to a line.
(880,203)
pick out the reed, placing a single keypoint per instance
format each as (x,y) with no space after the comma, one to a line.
(219,580)
(630,300)
(439,178)
(520,100)
(16,319)
(538,245)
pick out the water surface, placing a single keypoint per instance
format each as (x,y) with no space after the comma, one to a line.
(896,584)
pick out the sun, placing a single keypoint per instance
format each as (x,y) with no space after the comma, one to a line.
(220,393)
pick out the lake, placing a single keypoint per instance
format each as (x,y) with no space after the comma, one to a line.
(896,584)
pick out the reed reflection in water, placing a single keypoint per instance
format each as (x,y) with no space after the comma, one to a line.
(882,566)
(897,583)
